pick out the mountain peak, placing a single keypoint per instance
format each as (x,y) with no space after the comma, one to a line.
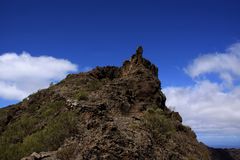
(107,113)
(139,50)
(138,64)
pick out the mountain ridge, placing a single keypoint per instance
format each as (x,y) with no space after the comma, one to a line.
(107,113)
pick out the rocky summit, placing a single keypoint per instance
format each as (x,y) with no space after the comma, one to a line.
(107,113)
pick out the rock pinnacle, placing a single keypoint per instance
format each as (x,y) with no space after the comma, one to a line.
(139,50)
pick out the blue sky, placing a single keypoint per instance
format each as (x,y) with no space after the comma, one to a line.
(180,37)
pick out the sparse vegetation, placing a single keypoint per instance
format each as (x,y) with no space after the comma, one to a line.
(50,109)
(19,129)
(53,134)
(82,95)
(159,125)
(3,118)
(94,85)
(22,138)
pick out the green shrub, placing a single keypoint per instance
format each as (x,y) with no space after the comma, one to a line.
(94,85)
(49,138)
(82,95)
(53,135)
(22,127)
(10,152)
(3,119)
(159,125)
(12,138)
(63,126)
(50,109)
(3,114)
(32,108)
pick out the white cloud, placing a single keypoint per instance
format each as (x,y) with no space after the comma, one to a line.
(226,65)
(23,74)
(211,108)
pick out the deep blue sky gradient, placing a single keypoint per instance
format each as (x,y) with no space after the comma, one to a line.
(92,33)
(106,32)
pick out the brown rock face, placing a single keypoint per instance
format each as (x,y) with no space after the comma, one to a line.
(138,65)
(107,113)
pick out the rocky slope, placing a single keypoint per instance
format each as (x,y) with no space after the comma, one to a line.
(107,113)
(224,154)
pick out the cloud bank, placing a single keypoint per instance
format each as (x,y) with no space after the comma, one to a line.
(23,74)
(212,105)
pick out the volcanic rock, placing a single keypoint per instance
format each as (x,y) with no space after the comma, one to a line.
(107,113)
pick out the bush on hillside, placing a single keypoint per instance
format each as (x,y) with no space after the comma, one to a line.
(160,126)
(49,138)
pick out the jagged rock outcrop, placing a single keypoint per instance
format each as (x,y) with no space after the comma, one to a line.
(107,113)
(138,64)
